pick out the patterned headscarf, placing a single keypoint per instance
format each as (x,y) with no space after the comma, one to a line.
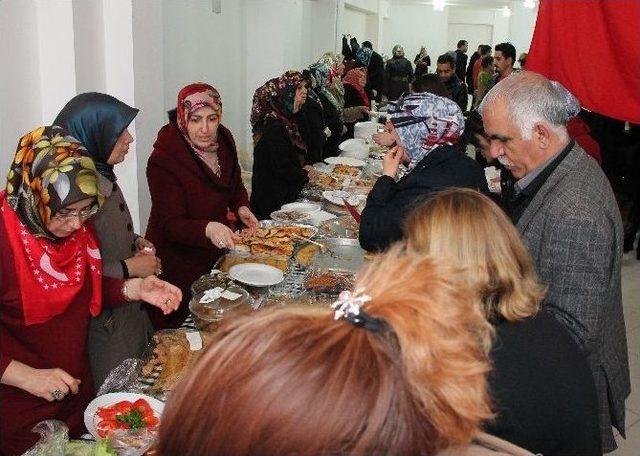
(354,79)
(321,74)
(96,120)
(363,56)
(274,101)
(50,171)
(333,61)
(425,121)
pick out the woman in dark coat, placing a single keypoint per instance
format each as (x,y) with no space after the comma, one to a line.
(100,122)
(427,129)
(542,387)
(355,98)
(331,107)
(279,172)
(194,179)
(311,120)
(398,74)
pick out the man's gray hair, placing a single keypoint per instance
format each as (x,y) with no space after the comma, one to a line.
(531,98)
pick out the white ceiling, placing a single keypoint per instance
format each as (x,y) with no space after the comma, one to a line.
(484,4)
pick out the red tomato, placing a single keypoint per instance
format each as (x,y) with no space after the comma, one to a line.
(123,407)
(151,421)
(143,406)
(107,413)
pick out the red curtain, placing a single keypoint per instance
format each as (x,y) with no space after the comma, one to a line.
(593,48)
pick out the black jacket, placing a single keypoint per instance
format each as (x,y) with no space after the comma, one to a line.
(469,76)
(389,201)
(543,389)
(333,121)
(375,76)
(458,92)
(461,64)
(311,123)
(278,176)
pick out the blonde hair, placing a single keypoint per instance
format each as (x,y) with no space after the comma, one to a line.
(295,381)
(468,229)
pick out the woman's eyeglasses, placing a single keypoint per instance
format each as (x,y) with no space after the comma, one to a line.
(82,214)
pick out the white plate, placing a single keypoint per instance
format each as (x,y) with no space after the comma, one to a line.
(347,161)
(90,417)
(279,216)
(256,274)
(335,197)
(301,206)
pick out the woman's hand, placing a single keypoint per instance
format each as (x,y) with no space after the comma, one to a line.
(144,247)
(384,138)
(247,217)
(143,265)
(221,235)
(391,161)
(49,384)
(311,172)
(156,292)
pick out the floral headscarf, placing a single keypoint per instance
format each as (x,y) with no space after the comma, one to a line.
(274,101)
(354,79)
(425,121)
(50,171)
(363,56)
(333,61)
(321,74)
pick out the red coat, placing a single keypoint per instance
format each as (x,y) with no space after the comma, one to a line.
(185,196)
(57,343)
(579,130)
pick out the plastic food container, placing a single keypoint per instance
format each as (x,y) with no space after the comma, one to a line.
(207,316)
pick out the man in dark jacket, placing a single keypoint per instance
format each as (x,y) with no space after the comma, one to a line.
(461,59)
(469,75)
(375,74)
(446,70)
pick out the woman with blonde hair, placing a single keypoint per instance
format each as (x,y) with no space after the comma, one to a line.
(399,369)
(544,393)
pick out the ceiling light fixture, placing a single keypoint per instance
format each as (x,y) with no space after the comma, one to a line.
(506,11)
(530,4)
(438,5)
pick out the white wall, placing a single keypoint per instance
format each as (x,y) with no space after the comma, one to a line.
(521,25)
(355,24)
(413,26)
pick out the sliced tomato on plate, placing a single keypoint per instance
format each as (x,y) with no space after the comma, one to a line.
(107,413)
(151,421)
(143,406)
(123,407)
(105,427)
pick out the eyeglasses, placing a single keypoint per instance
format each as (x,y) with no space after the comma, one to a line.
(82,214)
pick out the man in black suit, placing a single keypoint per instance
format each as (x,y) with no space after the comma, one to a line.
(447,71)
(461,59)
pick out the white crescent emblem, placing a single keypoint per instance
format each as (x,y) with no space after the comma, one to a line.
(94,253)
(45,265)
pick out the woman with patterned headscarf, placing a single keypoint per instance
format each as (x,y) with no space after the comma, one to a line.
(427,129)
(52,283)
(194,179)
(356,98)
(331,107)
(279,172)
(398,74)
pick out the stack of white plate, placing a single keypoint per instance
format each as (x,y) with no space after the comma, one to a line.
(365,130)
(354,148)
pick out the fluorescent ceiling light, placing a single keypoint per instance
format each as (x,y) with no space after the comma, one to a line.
(506,11)
(438,5)
(530,4)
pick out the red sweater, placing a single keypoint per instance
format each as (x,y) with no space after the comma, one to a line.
(185,196)
(57,343)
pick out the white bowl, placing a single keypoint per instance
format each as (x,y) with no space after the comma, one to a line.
(355,148)
(256,274)
(112,398)
(301,206)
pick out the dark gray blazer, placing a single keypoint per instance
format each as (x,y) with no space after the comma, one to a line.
(574,233)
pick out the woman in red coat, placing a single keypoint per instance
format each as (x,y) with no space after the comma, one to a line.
(194,179)
(51,283)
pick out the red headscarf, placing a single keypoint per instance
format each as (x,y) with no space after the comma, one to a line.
(50,171)
(190,99)
(353,78)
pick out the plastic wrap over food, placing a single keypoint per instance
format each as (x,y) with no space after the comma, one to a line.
(132,442)
(123,378)
(54,436)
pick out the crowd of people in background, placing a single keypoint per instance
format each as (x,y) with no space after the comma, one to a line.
(486,311)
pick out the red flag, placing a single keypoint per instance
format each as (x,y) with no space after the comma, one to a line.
(593,48)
